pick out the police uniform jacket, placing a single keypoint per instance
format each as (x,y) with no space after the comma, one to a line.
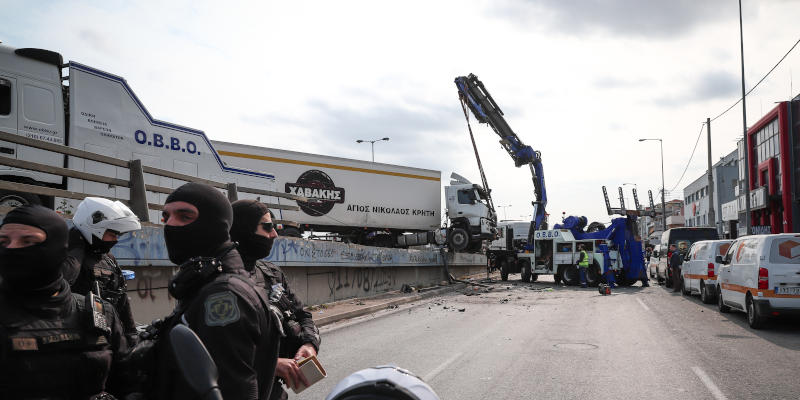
(56,347)
(231,319)
(298,324)
(82,268)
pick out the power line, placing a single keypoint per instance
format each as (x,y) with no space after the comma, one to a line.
(730,108)
(759,82)
(690,157)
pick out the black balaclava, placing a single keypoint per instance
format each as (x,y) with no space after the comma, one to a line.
(204,236)
(246,216)
(34,267)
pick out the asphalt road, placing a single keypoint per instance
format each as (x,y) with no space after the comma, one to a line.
(524,341)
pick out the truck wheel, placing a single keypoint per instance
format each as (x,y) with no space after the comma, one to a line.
(534,277)
(705,296)
(504,271)
(290,231)
(720,304)
(593,274)
(754,318)
(595,226)
(525,270)
(684,290)
(569,274)
(15,199)
(458,239)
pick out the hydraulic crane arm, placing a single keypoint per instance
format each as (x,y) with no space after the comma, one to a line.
(483,107)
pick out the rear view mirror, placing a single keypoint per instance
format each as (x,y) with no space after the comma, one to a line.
(719,260)
(194,363)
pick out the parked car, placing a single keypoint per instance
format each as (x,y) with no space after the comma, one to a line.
(682,238)
(760,275)
(699,270)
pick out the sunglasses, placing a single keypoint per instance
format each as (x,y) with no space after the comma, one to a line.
(268,226)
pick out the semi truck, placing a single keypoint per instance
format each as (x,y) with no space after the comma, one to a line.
(85,108)
(370,203)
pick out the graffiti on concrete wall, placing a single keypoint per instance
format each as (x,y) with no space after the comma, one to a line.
(142,247)
(365,279)
(146,247)
(291,251)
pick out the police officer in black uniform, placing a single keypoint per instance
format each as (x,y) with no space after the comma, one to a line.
(89,266)
(216,297)
(54,344)
(255,232)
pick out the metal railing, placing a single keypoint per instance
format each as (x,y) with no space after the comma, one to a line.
(136,183)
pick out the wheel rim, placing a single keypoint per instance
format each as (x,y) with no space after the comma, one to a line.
(459,239)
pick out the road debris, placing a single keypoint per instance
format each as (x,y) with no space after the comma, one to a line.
(462,309)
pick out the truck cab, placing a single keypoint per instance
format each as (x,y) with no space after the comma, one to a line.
(472,219)
(31,105)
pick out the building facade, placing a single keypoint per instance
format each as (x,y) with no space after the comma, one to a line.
(771,149)
(696,197)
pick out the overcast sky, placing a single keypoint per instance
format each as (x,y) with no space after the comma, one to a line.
(579,81)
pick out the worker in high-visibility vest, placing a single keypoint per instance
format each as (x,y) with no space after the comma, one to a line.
(583,265)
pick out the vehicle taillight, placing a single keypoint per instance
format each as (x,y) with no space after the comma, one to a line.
(763,278)
(710,270)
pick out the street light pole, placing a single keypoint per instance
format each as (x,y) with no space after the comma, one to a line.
(663,202)
(372,144)
(744,127)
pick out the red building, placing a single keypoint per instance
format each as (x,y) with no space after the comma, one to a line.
(771,160)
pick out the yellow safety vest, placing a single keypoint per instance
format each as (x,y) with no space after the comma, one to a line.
(585,262)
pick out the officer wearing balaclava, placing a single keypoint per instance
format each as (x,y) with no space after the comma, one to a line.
(216,297)
(254,230)
(55,343)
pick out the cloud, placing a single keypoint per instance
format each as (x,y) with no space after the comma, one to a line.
(710,85)
(611,82)
(659,19)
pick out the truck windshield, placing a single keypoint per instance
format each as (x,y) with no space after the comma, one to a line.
(683,238)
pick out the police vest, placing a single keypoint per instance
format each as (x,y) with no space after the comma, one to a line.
(270,280)
(59,358)
(585,262)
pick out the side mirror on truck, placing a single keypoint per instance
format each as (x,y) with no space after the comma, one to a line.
(719,260)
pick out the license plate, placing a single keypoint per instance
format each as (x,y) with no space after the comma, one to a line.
(787,290)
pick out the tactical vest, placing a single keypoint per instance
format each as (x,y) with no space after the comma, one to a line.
(60,358)
(108,276)
(268,279)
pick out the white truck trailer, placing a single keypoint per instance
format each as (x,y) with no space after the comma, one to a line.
(96,112)
(371,203)
(364,202)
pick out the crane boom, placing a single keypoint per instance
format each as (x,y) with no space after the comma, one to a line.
(485,109)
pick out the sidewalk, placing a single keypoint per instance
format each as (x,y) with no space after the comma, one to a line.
(329,313)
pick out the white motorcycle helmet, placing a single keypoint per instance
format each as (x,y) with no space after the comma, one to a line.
(383,382)
(95,215)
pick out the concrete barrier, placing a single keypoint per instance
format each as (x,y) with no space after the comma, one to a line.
(317,271)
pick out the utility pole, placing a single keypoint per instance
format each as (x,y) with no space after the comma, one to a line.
(744,126)
(711,214)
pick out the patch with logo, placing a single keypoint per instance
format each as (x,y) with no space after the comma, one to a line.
(24,344)
(221,309)
(61,337)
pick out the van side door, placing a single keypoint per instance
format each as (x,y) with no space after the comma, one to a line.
(8,114)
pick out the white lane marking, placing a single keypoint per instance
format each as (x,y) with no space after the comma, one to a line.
(646,308)
(709,384)
(441,367)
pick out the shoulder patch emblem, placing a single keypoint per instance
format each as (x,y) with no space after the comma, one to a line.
(221,309)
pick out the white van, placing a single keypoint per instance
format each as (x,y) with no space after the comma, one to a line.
(760,275)
(699,269)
